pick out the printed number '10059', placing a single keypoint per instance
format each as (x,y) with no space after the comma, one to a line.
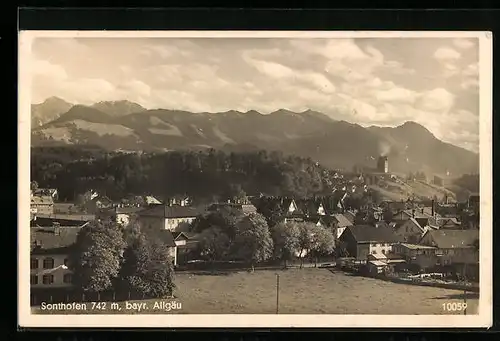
(454,306)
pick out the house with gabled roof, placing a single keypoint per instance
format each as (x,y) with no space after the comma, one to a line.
(49,256)
(165,217)
(361,240)
(122,215)
(340,223)
(409,230)
(453,246)
(50,192)
(167,238)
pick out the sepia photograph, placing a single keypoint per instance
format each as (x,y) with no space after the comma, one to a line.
(255,179)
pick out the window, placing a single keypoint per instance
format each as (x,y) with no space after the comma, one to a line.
(48,263)
(34,279)
(66,261)
(68,278)
(48,279)
(34,264)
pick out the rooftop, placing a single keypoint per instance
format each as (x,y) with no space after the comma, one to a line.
(174,211)
(416,246)
(76,217)
(42,200)
(342,220)
(368,233)
(450,239)
(53,240)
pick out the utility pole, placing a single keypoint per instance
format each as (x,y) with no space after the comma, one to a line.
(277,293)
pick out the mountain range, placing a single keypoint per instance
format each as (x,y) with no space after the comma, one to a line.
(125,125)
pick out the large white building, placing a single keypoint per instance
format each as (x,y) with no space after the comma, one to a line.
(49,261)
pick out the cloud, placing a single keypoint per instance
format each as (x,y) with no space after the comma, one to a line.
(271,69)
(436,100)
(462,43)
(446,54)
(397,95)
(43,68)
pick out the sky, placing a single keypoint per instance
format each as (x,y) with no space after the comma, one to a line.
(369,81)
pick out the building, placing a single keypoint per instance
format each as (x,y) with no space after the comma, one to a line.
(120,215)
(150,200)
(474,202)
(362,240)
(42,205)
(49,260)
(340,223)
(410,231)
(167,238)
(97,203)
(312,207)
(456,250)
(179,200)
(174,218)
(185,243)
(422,255)
(61,220)
(49,192)
(66,208)
(246,209)
(291,211)
(383,164)
(453,246)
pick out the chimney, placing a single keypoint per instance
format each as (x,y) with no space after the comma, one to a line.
(432,203)
(413,213)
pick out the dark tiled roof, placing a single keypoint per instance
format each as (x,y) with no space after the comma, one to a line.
(49,222)
(174,211)
(350,216)
(342,220)
(449,239)
(368,233)
(51,241)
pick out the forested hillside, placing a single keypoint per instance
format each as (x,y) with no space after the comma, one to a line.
(204,175)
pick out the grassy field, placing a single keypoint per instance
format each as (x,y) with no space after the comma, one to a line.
(302,291)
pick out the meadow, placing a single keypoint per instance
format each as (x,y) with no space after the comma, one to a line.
(301,291)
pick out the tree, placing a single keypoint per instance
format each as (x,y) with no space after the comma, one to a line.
(34,185)
(253,240)
(214,244)
(97,256)
(286,241)
(224,219)
(147,267)
(305,239)
(323,243)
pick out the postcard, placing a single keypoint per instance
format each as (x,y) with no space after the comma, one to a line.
(187,179)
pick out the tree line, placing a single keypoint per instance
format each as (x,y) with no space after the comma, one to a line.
(207,174)
(229,235)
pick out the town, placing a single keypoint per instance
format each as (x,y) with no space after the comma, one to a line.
(433,242)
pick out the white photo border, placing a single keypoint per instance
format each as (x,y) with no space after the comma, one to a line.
(483,319)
